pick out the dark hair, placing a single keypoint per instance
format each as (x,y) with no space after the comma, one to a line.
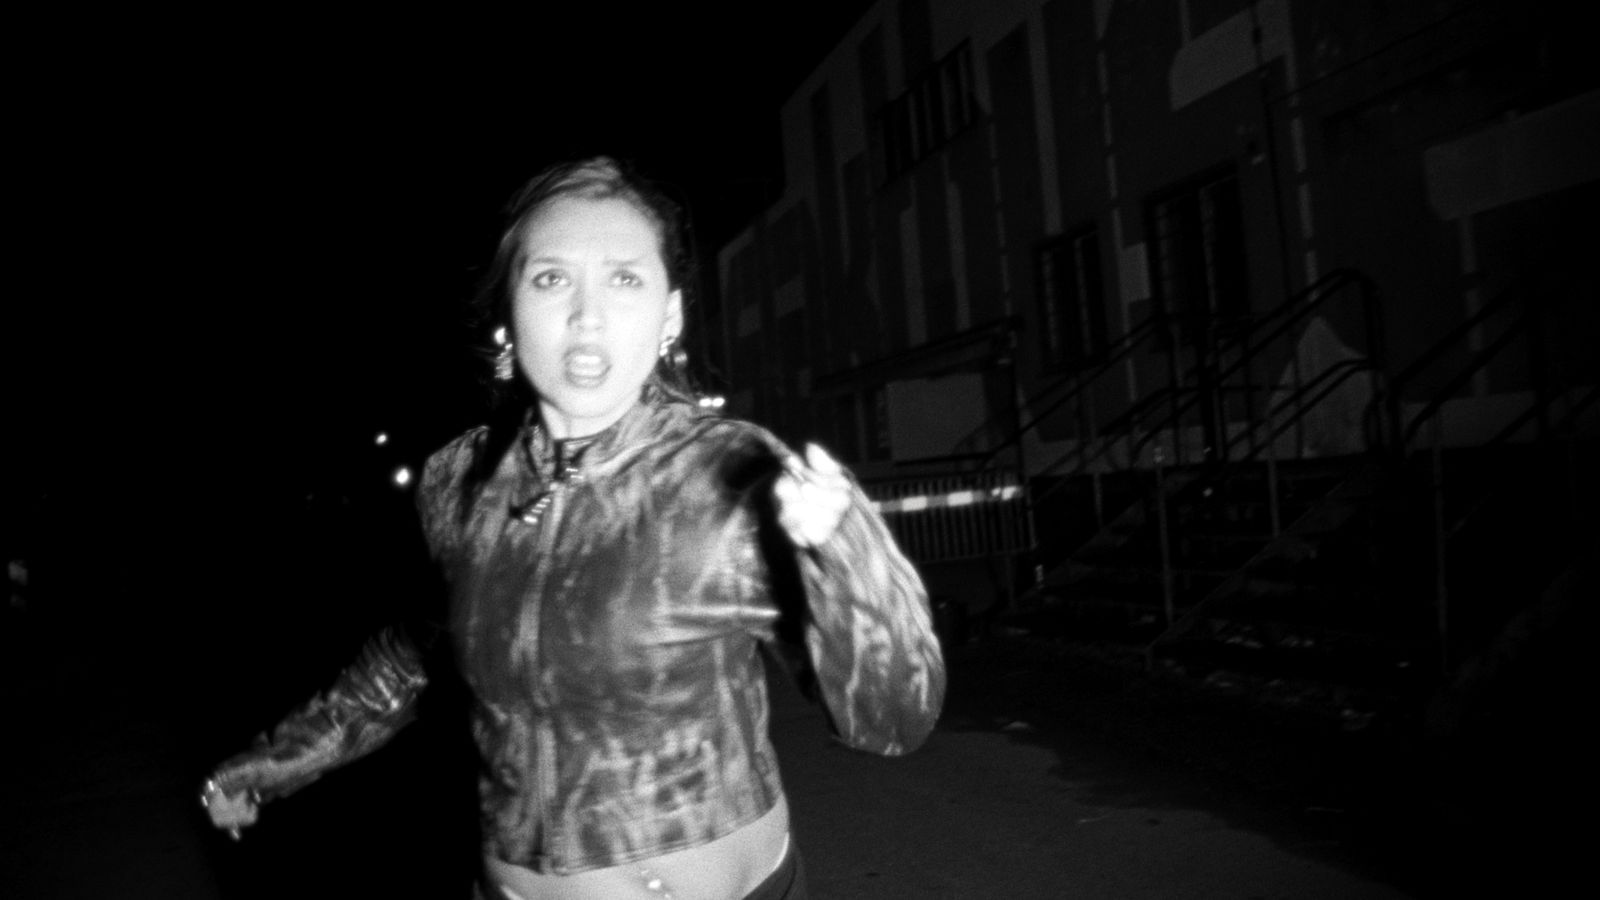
(597,178)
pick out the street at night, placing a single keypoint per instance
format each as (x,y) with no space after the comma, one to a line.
(1052,774)
(1224,370)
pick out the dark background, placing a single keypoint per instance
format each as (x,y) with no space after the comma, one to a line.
(243,243)
(247,240)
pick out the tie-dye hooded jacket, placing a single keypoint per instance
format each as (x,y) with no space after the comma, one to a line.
(610,634)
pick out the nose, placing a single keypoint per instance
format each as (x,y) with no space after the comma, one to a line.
(586,311)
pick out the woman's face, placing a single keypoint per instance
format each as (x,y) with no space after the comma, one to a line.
(590,310)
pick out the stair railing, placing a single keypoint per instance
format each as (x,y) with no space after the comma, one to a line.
(1161,412)
(1527,321)
(1096,440)
(1072,388)
(1246,346)
(1279,324)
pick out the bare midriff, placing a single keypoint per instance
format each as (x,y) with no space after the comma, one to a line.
(724,869)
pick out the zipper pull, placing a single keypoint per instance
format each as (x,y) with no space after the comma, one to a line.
(528,512)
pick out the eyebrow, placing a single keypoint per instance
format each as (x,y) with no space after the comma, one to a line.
(561,260)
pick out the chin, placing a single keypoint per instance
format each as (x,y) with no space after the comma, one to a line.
(579,410)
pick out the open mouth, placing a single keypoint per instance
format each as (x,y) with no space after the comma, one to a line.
(585,366)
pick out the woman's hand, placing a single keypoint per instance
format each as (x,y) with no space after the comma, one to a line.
(812,496)
(230,812)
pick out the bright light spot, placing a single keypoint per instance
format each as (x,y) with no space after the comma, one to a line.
(711,402)
(402,476)
(920,502)
(381,439)
(500,335)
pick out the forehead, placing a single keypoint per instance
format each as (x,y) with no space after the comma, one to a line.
(577,224)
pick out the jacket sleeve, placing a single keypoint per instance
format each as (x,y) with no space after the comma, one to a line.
(369,702)
(869,632)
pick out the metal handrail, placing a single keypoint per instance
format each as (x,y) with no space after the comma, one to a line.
(1479,361)
(1078,382)
(1336,374)
(1291,312)
(1247,344)
(1444,526)
(1453,337)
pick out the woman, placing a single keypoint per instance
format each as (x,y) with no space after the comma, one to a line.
(615,555)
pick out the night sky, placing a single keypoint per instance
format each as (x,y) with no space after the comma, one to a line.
(246,242)
(259,233)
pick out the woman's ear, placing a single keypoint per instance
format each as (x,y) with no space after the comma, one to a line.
(672,323)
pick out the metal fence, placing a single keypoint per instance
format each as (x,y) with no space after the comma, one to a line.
(956,517)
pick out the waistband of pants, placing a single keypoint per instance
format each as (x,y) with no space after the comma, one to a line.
(787,881)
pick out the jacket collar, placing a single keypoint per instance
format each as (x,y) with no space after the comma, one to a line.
(641,424)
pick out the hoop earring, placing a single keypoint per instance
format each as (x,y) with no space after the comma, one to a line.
(505,360)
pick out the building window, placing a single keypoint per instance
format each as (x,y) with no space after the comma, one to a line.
(1072,310)
(936,107)
(1197,255)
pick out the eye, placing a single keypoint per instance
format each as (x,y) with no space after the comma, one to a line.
(548,279)
(625,278)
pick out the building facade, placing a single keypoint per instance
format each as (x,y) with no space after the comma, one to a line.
(989,206)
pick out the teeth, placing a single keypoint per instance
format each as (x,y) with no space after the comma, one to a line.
(586,365)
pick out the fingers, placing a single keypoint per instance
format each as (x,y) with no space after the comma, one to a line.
(822,463)
(816,468)
(230,812)
(235,819)
(812,496)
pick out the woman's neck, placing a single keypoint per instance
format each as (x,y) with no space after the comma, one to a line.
(565,428)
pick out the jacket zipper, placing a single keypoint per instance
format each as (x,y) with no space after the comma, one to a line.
(545,771)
